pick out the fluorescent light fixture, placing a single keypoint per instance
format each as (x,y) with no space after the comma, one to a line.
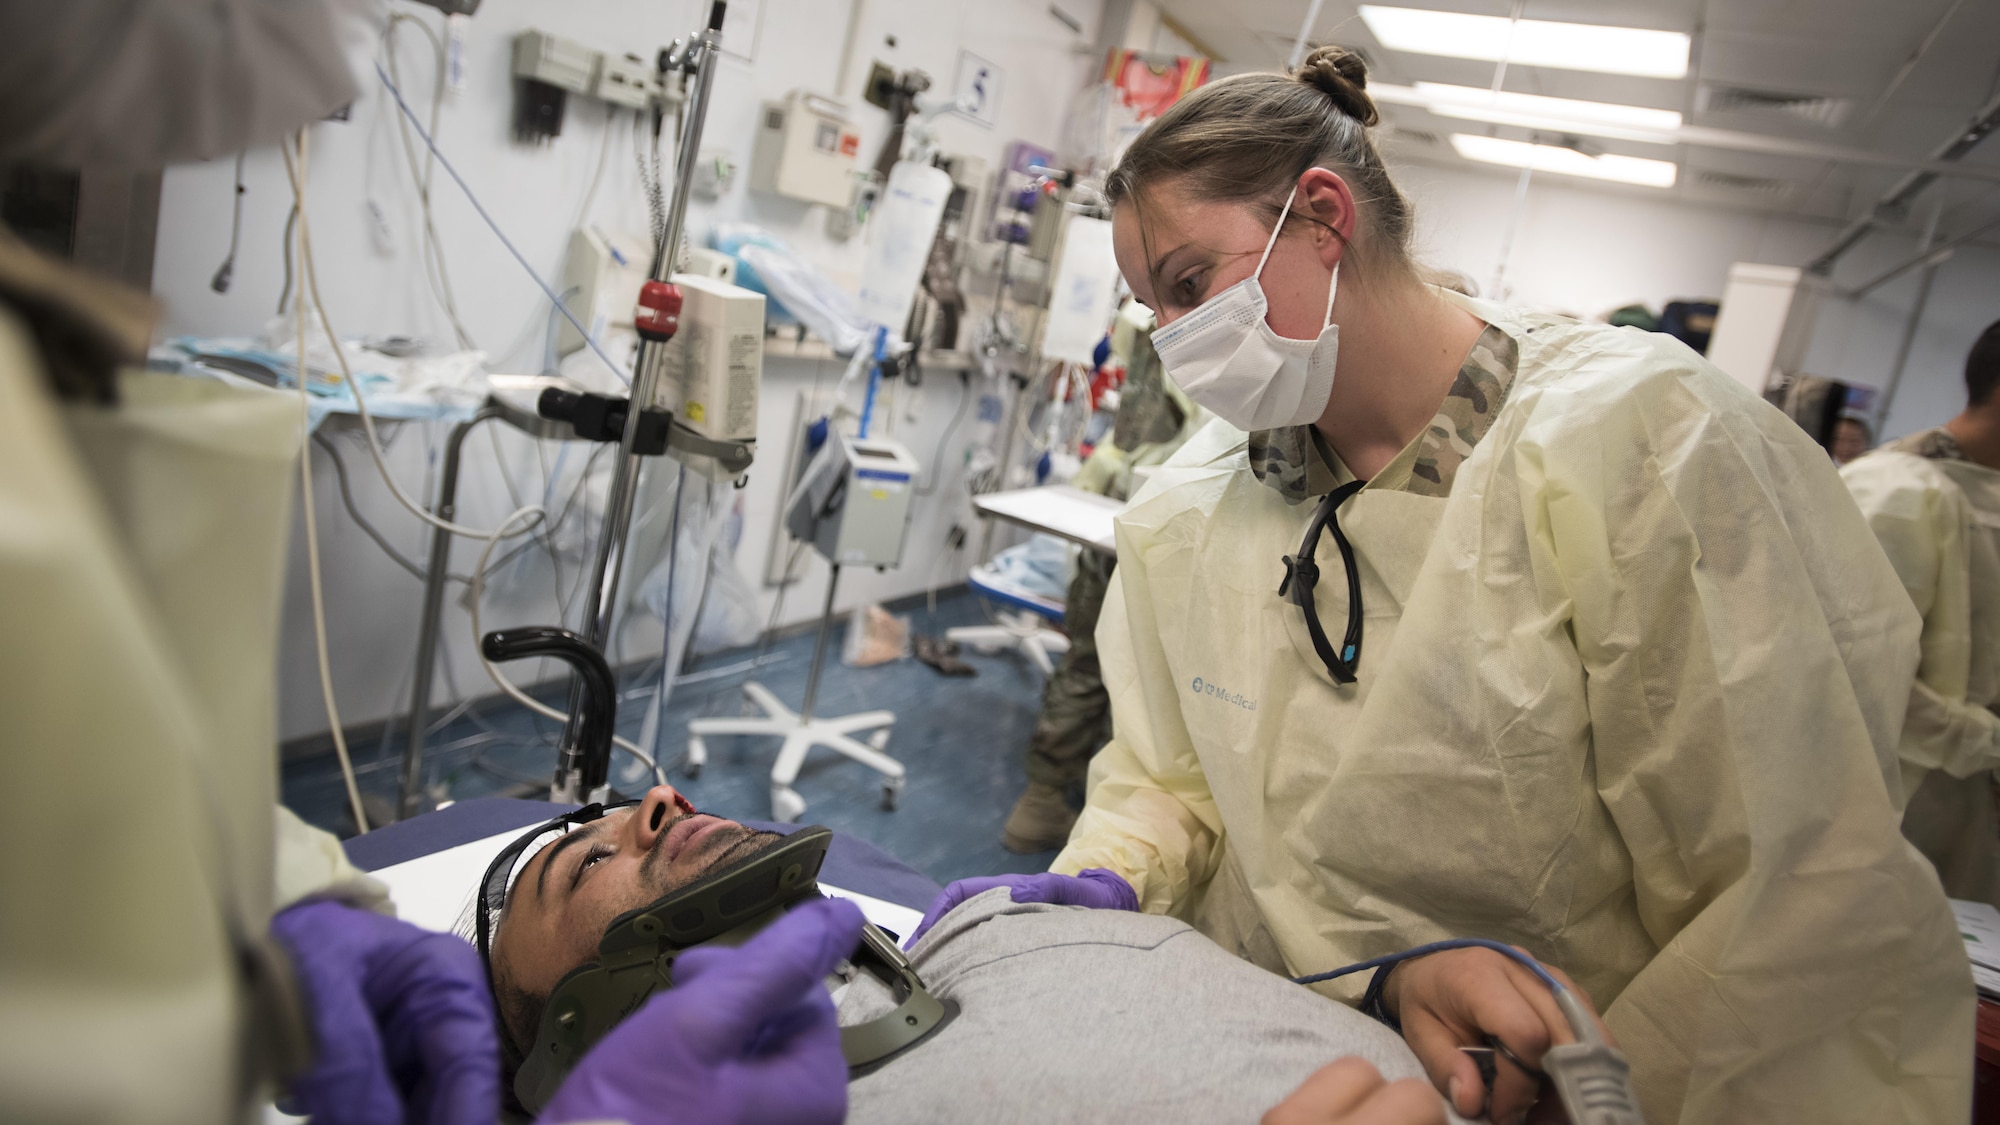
(1566,161)
(1569,46)
(1466,101)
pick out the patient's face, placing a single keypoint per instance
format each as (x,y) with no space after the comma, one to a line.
(571,890)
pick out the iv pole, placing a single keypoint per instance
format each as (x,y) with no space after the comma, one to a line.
(576,779)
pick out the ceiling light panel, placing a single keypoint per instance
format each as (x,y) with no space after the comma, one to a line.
(1565,161)
(1569,46)
(1444,99)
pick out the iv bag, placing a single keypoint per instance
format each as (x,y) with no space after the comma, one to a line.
(900,233)
(1082,298)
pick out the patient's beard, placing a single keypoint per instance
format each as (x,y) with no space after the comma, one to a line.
(656,874)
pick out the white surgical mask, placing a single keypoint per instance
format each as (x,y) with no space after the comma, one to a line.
(1227,358)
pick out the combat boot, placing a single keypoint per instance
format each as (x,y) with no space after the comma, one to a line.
(1040,822)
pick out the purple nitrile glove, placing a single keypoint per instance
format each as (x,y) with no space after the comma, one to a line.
(402,1022)
(1097,887)
(746,1036)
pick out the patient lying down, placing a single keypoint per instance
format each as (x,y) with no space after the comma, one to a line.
(1065,1014)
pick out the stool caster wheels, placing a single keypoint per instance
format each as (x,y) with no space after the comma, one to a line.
(786,805)
(880,740)
(892,791)
(697,754)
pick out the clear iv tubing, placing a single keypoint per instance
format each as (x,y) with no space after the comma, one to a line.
(874,380)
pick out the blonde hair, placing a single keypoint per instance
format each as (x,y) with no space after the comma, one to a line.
(1251,136)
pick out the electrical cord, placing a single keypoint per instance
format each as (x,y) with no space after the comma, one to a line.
(1507,951)
(546,328)
(285,290)
(435,271)
(354,513)
(404,561)
(937,457)
(603,158)
(542,534)
(227,270)
(569,505)
(443,162)
(1591,1076)
(312,533)
(309,289)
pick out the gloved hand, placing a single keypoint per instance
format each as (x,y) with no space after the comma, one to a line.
(1458,997)
(1097,887)
(745,1036)
(402,1022)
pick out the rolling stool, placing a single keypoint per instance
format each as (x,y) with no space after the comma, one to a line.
(1026,628)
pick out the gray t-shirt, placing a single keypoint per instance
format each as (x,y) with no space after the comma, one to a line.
(1068,1014)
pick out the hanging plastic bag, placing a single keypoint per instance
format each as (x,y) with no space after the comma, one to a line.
(874,637)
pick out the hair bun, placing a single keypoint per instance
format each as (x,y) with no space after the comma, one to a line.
(1341,75)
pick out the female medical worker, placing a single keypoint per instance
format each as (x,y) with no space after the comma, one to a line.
(1608,665)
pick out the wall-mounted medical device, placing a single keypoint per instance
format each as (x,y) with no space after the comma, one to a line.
(551,68)
(806,149)
(600,284)
(852,503)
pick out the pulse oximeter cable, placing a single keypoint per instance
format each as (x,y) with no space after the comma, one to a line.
(1591,1076)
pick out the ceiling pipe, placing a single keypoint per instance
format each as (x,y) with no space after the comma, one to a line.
(856,11)
(1933,256)
(1913,321)
(1910,64)
(1895,203)
(1513,27)
(1305,29)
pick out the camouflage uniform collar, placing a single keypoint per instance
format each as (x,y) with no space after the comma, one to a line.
(1298,463)
(1935,444)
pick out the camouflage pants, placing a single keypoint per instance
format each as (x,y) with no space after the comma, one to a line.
(1076,710)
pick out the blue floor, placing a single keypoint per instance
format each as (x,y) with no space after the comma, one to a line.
(961,739)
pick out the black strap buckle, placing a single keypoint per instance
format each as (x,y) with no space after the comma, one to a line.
(1302,573)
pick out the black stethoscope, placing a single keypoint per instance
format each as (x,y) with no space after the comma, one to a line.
(1302,574)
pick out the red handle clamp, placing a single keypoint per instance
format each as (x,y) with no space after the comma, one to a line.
(658,316)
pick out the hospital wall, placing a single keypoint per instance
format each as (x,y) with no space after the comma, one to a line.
(1588,250)
(375,285)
